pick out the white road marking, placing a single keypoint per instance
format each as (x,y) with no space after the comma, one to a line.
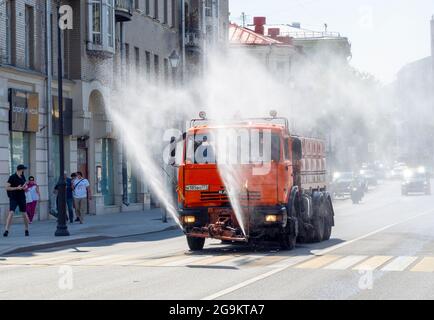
(345,263)
(184,261)
(372,263)
(320,252)
(290,262)
(399,264)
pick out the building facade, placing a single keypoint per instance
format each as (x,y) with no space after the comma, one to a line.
(110,41)
(108,38)
(276,55)
(204,27)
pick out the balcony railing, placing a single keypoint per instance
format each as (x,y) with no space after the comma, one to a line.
(124,10)
(311,34)
(192,39)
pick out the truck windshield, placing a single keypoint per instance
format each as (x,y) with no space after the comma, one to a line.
(253,146)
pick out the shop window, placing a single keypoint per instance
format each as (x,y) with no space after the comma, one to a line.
(132,185)
(107,174)
(19,150)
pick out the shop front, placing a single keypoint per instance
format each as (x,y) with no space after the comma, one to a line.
(23,126)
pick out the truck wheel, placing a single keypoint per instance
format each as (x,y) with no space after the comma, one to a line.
(288,239)
(195,244)
(319,223)
(327,224)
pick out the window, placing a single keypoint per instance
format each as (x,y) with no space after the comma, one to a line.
(202,148)
(157,67)
(173,13)
(8,52)
(136,4)
(127,60)
(101,25)
(110,23)
(208,8)
(148,64)
(166,71)
(29,45)
(137,60)
(166,12)
(147,9)
(96,21)
(156,9)
(19,150)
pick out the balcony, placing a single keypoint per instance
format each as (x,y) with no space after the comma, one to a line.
(123,10)
(192,39)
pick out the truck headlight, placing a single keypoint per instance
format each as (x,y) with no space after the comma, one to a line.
(271,218)
(189,219)
(196,187)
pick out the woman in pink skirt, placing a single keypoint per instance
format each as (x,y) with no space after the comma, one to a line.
(32,197)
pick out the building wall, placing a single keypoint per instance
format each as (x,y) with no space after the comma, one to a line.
(151,35)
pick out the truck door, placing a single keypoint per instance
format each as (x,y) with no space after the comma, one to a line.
(285,172)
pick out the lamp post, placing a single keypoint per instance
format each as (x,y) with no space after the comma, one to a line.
(62,228)
(174,63)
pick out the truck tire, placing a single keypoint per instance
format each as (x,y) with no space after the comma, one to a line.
(319,222)
(328,223)
(195,244)
(288,239)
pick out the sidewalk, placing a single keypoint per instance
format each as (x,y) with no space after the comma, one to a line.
(94,228)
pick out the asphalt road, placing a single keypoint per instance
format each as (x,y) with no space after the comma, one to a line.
(380,249)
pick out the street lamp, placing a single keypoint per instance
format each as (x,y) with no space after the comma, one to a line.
(62,228)
(174,59)
(174,63)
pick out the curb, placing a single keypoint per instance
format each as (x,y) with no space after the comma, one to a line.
(44,246)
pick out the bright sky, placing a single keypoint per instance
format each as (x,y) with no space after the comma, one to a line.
(385,34)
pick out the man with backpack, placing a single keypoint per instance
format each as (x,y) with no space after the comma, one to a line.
(81,192)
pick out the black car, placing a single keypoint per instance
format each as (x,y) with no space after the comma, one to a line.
(416,181)
(341,185)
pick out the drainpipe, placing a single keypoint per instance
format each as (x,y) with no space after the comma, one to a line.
(124,150)
(204,35)
(183,39)
(48,101)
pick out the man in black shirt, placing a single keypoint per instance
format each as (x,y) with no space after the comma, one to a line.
(15,188)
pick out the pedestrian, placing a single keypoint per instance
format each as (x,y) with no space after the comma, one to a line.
(32,197)
(69,196)
(17,198)
(81,193)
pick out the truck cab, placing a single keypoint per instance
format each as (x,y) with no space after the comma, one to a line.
(252,181)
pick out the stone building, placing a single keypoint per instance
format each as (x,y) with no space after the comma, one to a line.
(106,34)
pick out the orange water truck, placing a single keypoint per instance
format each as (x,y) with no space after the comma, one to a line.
(288,203)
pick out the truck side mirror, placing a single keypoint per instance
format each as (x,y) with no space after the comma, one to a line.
(172,159)
(296,149)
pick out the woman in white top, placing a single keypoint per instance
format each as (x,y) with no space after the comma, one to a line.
(32,197)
